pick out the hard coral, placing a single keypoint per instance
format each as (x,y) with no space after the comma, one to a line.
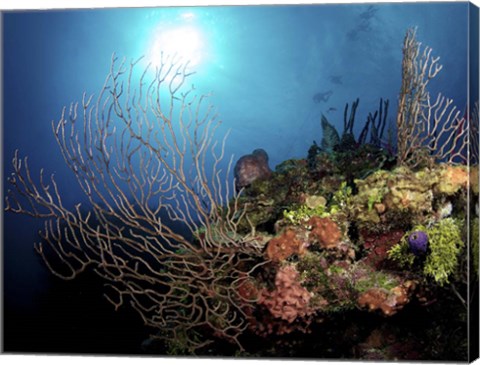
(251,167)
(325,231)
(409,191)
(284,246)
(388,301)
(378,245)
(451,179)
(385,194)
(315,201)
(290,300)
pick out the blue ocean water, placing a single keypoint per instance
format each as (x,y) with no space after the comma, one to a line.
(273,71)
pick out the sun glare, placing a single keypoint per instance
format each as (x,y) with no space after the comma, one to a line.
(185,42)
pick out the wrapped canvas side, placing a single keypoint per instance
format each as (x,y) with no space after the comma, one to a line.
(474,183)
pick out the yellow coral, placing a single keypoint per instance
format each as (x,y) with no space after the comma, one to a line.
(315,201)
(452,179)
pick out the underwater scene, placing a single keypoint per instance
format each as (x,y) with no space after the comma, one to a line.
(253,181)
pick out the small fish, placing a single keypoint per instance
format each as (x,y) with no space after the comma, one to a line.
(322,96)
(331,109)
(369,13)
(336,79)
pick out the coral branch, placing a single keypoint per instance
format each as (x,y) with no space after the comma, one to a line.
(427,131)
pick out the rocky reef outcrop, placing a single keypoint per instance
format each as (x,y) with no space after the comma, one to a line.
(375,240)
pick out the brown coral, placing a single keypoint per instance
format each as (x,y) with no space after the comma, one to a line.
(290,299)
(378,245)
(284,246)
(325,231)
(388,301)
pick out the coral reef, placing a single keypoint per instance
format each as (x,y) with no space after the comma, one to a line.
(351,230)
